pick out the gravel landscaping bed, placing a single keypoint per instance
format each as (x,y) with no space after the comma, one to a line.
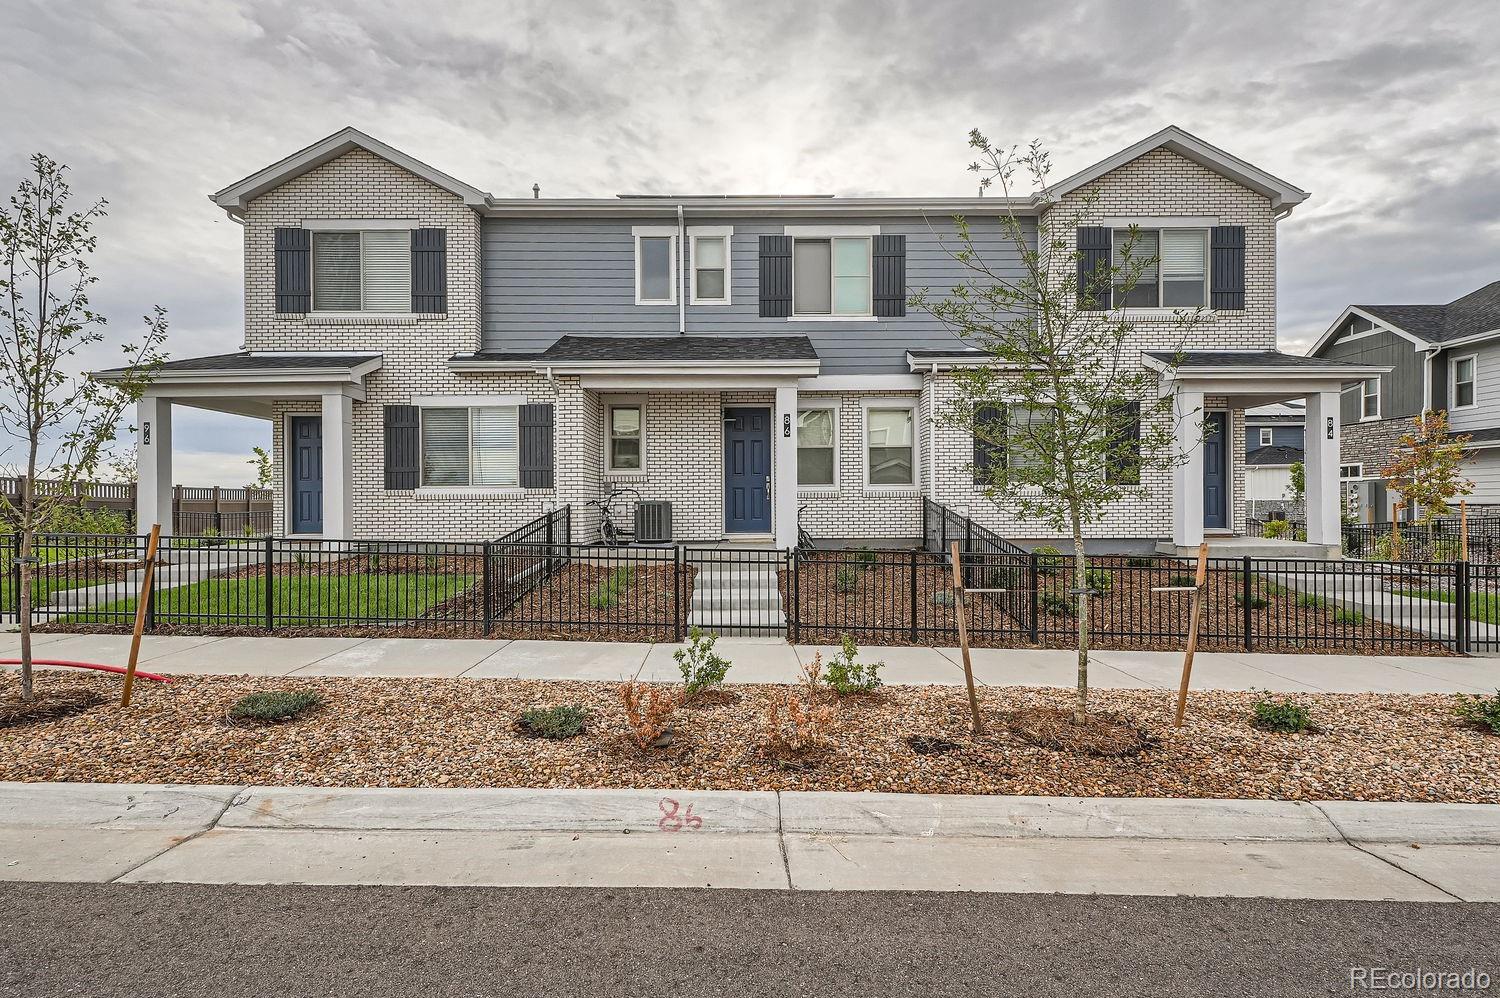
(459,733)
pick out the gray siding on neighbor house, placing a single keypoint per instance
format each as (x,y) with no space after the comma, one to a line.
(545,278)
(1282,435)
(1485,412)
(1400,390)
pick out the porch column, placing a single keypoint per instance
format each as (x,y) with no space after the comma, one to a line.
(1187,476)
(1320,466)
(338,432)
(153,464)
(784,465)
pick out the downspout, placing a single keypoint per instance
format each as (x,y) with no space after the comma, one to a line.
(681,268)
(931,481)
(1428,356)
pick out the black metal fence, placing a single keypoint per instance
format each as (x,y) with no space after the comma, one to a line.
(1442,540)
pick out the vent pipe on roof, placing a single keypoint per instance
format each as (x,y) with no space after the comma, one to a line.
(536,192)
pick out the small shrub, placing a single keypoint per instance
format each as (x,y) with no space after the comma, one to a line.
(1480,711)
(1100,580)
(795,725)
(1140,561)
(1275,528)
(700,665)
(249,530)
(270,706)
(607,593)
(1182,580)
(944,597)
(1281,714)
(866,557)
(552,722)
(844,580)
(1059,606)
(1255,602)
(1445,549)
(77,520)
(1388,549)
(648,713)
(1048,558)
(1273,588)
(1310,601)
(1344,615)
(845,674)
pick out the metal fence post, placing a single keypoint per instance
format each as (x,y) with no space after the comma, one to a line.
(678,631)
(1033,581)
(150,593)
(1247,597)
(924,523)
(914,597)
(1461,607)
(487,589)
(218,511)
(15,573)
(794,614)
(270,582)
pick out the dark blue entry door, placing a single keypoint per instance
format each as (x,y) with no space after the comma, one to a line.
(747,470)
(1215,471)
(307,474)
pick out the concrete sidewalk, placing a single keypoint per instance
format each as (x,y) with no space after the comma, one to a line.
(800,841)
(764,662)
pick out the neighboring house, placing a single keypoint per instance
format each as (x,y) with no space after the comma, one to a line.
(1441,357)
(442,363)
(1273,443)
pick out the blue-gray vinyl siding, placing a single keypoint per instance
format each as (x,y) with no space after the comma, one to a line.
(1281,435)
(545,278)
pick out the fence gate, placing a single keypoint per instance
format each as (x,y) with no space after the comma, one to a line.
(737,592)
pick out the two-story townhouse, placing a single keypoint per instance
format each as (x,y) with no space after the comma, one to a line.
(1440,357)
(442,363)
(1273,443)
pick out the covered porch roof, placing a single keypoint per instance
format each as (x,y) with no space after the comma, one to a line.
(245,384)
(1249,378)
(674,360)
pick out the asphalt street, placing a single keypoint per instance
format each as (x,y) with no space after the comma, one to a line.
(178,941)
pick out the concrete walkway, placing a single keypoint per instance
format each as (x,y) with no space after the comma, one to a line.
(106,833)
(763,662)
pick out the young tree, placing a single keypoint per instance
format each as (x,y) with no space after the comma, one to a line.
(1070,419)
(1426,467)
(261,461)
(63,420)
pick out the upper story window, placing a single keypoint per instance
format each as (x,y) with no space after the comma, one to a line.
(655,265)
(1177,276)
(361,271)
(709,250)
(1266,436)
(626,438)
(1347,471)
(817,453)
(890,445)
(1369,398)
(1463,382)
(466,446)
(831,276)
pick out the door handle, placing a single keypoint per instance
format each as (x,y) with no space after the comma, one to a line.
(768,486)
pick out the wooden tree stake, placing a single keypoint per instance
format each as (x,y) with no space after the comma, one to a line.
(140,613)
(1192,642)
(961,605)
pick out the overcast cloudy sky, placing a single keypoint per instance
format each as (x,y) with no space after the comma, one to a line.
(1388,112)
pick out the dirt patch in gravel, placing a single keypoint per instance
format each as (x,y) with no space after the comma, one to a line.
(47,706)
(873,603)
(457,733)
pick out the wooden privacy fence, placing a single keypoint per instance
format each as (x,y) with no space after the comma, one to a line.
(196,511)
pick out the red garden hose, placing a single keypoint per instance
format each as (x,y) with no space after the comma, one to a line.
(87,665)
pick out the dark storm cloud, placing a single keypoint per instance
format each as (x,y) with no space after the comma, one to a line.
(1385,111)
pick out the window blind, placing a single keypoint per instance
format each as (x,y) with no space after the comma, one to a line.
(445,447)
(496,446)
(387,270)
(336,271)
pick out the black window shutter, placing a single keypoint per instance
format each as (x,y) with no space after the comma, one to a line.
(293,271)
(775,276)
(429,270)
(536,445)
(1125,455)
(888,260)
(989,441)
(1095,286)
(403,447)
(1227,267)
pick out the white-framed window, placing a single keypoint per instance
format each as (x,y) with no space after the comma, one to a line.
(625,429)
(1369,398)
(890,444)
(709,256)
(1464,380)
(817,447)
(470,445)
(831,276)
(1022,425)
(1266,436)
(1177,276)
(1349,471)
(655,264)
(361,270)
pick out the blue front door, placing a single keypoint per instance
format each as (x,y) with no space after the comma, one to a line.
(747,470)
(307,474)
(1215,473)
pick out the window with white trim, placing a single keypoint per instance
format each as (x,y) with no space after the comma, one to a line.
(655,267)
(1349,471)
(817,449)
(1463,382)
(361,271)
(890,445)
(470,446)
(1266,436)
(1369,398)
(1026,436)
(1176,275)
(710,274)
(626,425)
(831,276)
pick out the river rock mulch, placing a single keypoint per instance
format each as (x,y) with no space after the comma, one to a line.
(458,733)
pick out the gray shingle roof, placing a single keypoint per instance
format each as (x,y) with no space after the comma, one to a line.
(1232,359)
(237,363)
(649,348)
(1277,455)
(1476,312)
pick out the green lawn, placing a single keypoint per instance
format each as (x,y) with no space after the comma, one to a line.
(307,600)
(1484,607)
(44,585)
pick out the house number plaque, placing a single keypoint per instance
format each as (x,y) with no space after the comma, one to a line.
(1330,427)
(786,424)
